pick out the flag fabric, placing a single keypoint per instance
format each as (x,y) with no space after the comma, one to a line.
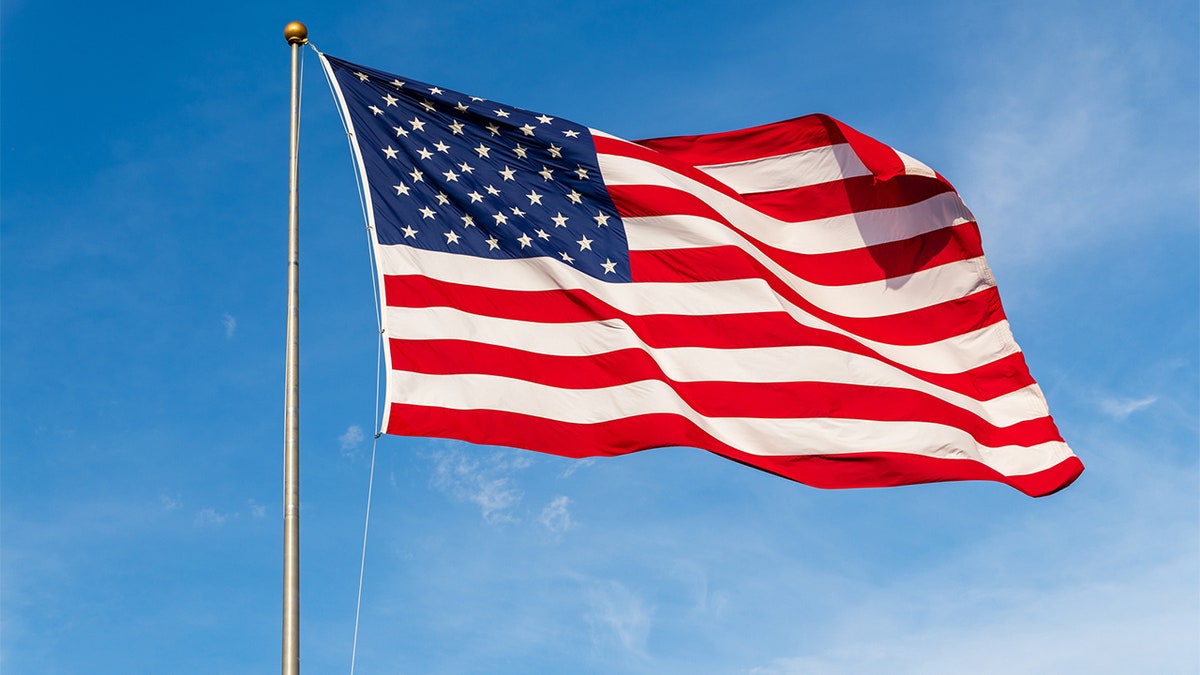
(797,297)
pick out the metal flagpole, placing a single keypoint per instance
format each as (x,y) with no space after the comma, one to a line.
(297,36)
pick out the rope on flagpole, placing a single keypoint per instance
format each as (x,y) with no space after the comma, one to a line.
(378,363)
(362,566)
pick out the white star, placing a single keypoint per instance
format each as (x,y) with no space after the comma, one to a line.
(417,176)
(475,98)
(571,133)
(520,151)
(475,196)
(527,129)
(560,220)
(525,240)
(360,76)
(492,243)
(450,175)
(442,199)
(466,168)
(468,221)
(425,153)
(546,173)
(601,220)
(441,147)
(401,189)
(451,237)
(584,243)
(397,84)
(501,219)
(391,100)
(544,120)
(390,152)
(507,173)
(482,150)
(409,233)
(436,91)
(461,107)
(417,124)
(426,212)
(501,113)
(555,151)
(534,198)
(494,129)
(609,266)
(542,233)
(567,257)
(517,212)
(375,109)
(582,173)
(491,190)
(427,105)
(456,127)
(401,131)
(575,197)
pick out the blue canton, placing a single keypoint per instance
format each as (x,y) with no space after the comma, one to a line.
(457,173)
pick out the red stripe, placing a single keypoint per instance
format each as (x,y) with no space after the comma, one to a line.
(841,197)
(767,140)
(618,437)
(916,327)
(780,400)
(770,140)
(921,326)
(728,331)
(870,263)
(842,268)
(618,147)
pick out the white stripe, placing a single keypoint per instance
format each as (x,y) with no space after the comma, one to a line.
(885,297)
(823,235)
(763,437)
(915,167)
(952,355)
(794,170)
(699,364)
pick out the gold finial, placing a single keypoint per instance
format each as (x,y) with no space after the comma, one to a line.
(296,33)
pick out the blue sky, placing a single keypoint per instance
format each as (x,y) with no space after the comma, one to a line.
(144,193)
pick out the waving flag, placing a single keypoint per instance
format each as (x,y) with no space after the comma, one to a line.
(797,297)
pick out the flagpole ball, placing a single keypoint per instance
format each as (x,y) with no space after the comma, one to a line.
(296,33)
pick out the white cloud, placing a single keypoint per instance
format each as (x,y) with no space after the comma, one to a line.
(618,615)
(257,510)
(556,516)
(576,465)
(230,324)
(1121,408)
(485,482)
(1051,121)
(169,503)
(351,439)
(211,518)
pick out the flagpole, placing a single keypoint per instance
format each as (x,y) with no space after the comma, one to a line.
(297,36)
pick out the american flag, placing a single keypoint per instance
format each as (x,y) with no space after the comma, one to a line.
(797,297)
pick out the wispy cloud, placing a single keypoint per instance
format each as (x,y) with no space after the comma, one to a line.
(576,465)
(209,517)
(257,510)
(556,516)
(618,616)
(1121,408)
(485,481)
(350,440)
(230,324)
(1044,138)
